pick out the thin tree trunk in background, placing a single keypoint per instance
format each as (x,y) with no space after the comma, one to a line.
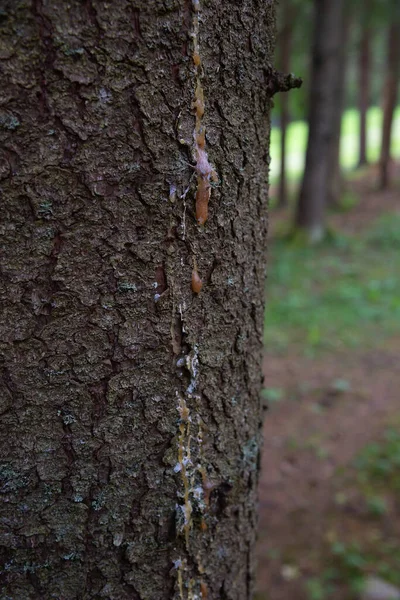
(129,399)
(335,177)
(364,67)
(389,101)
(285,49)
(313,199)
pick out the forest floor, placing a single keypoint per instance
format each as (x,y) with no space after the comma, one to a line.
(329,496)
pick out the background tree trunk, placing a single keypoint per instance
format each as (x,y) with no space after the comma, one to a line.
(130,405)
(310,216)
(389,100)
(285,49)
(335,177)
(364,66)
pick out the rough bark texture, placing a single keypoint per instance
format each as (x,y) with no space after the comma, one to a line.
(324,82)
(364,66)
(130,405)
(391,84)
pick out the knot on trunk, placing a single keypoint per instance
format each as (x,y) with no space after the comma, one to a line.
(281,82)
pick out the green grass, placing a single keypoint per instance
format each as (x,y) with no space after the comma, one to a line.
(377,469)
(378,465)
(350,564)
(344,293)
(297,142)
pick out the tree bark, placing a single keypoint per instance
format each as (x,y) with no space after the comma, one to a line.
(364,67)
(285,47)
(389,100)
(131,336)
(313,199)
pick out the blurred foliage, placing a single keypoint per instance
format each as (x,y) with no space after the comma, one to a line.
(272,395)
(377,468)
(345,293)
(378,465)
(350,563)
(359,12)
(385,234)
(302,20)
(297,142)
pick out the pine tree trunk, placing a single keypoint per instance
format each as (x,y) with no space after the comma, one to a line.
(335,176)
(285,47)
(364,66)
(389,101)
(313,199)
(131,335)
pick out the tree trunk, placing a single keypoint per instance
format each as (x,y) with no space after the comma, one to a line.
(389,100)
(364,66)
(310,216)
(335,176)
(285,48)
(131,335)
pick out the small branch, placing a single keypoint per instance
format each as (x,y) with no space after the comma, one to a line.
(281,82)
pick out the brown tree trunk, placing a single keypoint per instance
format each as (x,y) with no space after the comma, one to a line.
(389,100)
(335,176)
(313,199)
(285,49)
(130,396)
(364,67)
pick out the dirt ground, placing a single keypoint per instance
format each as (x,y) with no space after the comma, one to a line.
(333,405)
